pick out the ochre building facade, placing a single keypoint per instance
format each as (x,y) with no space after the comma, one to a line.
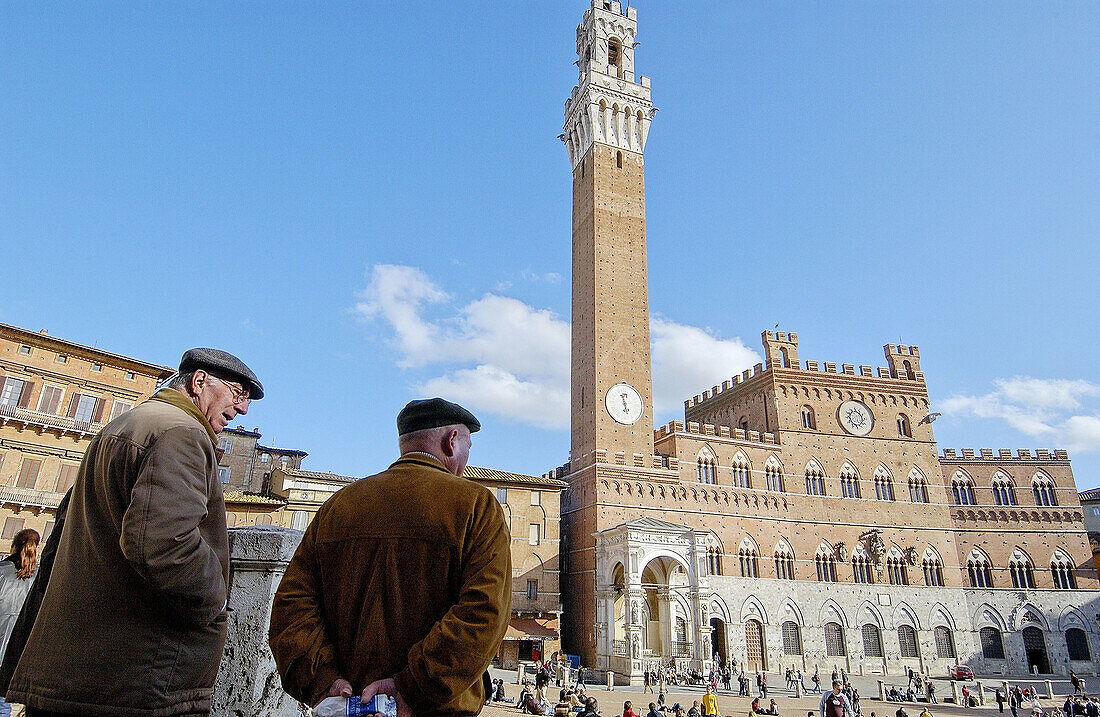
(55,395)
(802,514)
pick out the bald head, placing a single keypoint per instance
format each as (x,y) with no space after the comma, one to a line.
(450,444)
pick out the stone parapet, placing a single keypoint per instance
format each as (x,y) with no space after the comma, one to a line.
(248,684)
(1003,454)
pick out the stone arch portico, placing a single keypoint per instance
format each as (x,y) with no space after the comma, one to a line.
(653,596)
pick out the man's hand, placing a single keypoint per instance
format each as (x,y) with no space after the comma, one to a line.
(339,688)
(387,687)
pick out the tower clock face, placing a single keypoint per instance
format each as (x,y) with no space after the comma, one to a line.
(624,403)
(856,418)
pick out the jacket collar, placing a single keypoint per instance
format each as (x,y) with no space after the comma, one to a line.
(424,459)
(175,398)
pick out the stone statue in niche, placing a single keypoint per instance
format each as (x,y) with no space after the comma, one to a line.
(877,547)
(636,647)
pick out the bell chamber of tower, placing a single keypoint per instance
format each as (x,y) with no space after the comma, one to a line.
(607,122)
(608,105)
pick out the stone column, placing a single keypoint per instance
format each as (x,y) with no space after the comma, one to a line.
(247,682)
(1050,690)
(665,629)
(881,690)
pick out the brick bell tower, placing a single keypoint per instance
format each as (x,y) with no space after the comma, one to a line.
(607,119)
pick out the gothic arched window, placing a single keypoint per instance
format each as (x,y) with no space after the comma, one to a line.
(792,638)
(826,564)
(933,569)
(849,482)
(834,640)
(907,640)
(962,489)
(1043,488)
(773,475)
(896,569)
(872,640)
(742,473)
(993,647)
(979,570)
(1003,491)
(903,426)
(1021,570)
(784,562)
(884,486)
(1077,644)
(945,643)
(862,570)
(705,466)
(918,487)
(1061,568)
(815,479)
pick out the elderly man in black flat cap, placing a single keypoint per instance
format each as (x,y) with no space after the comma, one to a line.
(134,621)
(402,582)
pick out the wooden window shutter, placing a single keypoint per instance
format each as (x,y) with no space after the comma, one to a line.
(99,404)
(28,473)
(25,394)
(73,404)
(2,384)
(66,477)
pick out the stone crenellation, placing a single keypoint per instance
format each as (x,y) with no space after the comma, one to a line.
(901,353)
(708,430)
(1003,454)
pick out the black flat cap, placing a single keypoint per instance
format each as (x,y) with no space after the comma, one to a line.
(222,365)
(432,413)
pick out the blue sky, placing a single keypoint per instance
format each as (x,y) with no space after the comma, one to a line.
(368,202)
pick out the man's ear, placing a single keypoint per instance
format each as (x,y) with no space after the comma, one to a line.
(199,380)
(449,441)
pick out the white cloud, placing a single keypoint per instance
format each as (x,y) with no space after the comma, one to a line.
(398,294)
(495,389)
(502,356)
(1037,407)
(688,360)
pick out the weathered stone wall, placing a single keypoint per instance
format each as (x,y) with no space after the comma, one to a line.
(248,685)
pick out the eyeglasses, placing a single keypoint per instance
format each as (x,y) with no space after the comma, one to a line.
(239,394)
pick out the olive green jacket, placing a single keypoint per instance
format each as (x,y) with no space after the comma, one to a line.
(405,574)
(133,621)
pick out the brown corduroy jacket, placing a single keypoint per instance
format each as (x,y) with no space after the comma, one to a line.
(405,574)
(133,623)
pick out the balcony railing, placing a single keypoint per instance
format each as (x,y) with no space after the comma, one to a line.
(47,420)
(29,497)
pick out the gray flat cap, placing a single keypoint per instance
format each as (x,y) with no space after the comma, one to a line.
(432,413)
(223,365)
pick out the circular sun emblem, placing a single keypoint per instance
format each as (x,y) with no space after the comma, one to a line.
(856,418)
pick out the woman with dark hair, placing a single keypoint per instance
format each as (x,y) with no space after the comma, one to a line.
(16,572)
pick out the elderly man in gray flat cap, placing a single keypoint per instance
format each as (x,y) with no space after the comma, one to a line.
(402,582)
(134,621)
